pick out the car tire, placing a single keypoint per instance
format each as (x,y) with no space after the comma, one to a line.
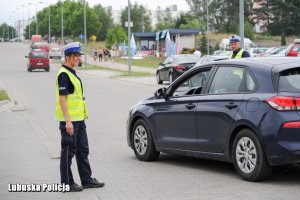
(249,158)
(142,142)
(47,69)
(29,69)
(159,81)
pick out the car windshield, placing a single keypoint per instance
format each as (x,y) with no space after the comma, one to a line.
(39,55)
(289,80)
(185,59)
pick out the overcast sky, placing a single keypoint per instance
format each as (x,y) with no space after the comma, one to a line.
(10,7)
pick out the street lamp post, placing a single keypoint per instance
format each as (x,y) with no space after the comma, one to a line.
(85,56)
(22,26)
(242,22)
(17,25)
(129,38)
(28,20)
(62,23)
(207,25)
(36,18)
(49,26)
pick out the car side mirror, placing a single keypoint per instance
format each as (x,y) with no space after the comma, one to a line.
(161,92)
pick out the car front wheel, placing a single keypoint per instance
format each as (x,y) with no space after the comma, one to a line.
(248,157)
(142,140)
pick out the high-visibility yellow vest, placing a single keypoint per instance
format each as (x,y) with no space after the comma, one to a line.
(75,102)
(238,55)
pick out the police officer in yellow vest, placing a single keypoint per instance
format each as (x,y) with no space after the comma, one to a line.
(71,112)
(237,51)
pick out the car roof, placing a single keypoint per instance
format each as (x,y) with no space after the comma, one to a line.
(277,63)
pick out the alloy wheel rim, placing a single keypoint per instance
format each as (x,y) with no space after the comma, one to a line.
(246,155)
(157,78)
(140,140)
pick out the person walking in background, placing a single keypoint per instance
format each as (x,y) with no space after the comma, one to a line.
(237,51)
(71,112)
(100,54)
(113,55)
(197,53)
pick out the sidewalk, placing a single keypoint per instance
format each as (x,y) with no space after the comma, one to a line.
(117,66)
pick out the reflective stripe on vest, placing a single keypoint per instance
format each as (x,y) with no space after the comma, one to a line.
(238,55)
(75,103)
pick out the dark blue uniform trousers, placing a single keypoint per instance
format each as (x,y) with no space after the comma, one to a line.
(77,145)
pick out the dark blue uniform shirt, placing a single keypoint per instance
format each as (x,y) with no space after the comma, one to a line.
(65,86)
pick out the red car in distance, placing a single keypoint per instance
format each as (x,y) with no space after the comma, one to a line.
(293,49)
(38,59)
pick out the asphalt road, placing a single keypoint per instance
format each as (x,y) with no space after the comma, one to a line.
(30,145)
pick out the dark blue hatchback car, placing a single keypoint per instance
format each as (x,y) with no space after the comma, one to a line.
(245,111)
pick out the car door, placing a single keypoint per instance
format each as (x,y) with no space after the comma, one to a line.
(216,110)
(175,117)
(166,69)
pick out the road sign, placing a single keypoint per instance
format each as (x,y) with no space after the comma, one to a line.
(126,24)
(81,37)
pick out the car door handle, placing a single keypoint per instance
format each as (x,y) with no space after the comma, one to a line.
(231,106)
(190,106)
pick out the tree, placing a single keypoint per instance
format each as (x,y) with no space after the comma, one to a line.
(73,19)
(284,17)
(187,20)
(116,34)
(164,19)
(105,17)
(139,16)
(224,12)
(7,31)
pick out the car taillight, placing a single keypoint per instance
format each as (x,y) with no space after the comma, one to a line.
(291,125)
(283,103)
(180,67)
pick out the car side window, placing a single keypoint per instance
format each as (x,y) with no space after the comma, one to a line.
(250,83)
(192,85)
(227,80)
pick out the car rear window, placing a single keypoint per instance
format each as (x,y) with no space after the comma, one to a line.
(39,55)
(289,80)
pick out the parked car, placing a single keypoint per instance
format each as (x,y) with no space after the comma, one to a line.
(55,53)
(293,49)
(174,66)
(244,111)
(222,53)
(38,59)
(257,50)
(210,58)
(282,53)
(271,51)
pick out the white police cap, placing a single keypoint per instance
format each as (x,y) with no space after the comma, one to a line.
(234,38)
(73,47)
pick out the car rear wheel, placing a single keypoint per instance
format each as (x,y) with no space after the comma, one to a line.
(29,69)
(159,81)
(248,157)
(142,141)
(47,69)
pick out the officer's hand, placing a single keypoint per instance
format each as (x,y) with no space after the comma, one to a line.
(69,128)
